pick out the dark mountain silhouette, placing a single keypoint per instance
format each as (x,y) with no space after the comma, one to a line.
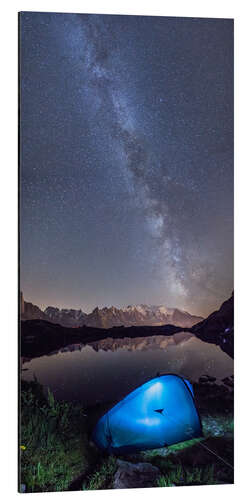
(218,327)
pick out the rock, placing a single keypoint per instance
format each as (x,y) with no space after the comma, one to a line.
(228,435)
(140,475)
(228,381)
(206,378)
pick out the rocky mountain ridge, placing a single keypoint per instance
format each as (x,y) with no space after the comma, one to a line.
(109,317)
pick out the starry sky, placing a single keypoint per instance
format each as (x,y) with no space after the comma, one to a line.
(126,161)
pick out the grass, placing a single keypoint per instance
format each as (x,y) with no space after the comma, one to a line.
(55,449)
(53,441)
(102,477)
(182,477)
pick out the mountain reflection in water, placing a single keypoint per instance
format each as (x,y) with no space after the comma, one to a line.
(108,369)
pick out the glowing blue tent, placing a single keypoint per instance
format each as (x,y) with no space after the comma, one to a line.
(159,413)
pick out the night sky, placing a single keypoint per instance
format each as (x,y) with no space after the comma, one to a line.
(126,161)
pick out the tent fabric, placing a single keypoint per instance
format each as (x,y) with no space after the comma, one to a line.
(159,413)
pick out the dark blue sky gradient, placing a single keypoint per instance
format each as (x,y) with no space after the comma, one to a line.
(126,160)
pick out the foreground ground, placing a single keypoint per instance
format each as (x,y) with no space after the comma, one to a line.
(57,455)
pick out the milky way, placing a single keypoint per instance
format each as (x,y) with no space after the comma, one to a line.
(126,160)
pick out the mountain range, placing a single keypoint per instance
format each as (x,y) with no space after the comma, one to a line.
(109,317)
(40,336)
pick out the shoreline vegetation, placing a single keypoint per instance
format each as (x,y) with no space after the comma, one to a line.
(56,453)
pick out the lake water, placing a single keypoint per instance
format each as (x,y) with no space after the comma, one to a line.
(107,370)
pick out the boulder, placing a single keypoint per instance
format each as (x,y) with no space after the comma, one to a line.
(206,378)
(229,381)
(140,475)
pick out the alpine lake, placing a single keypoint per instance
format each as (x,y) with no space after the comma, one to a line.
(109,369)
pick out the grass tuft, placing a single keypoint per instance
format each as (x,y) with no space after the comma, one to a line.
(183,477)
(102,478)
(53,442)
